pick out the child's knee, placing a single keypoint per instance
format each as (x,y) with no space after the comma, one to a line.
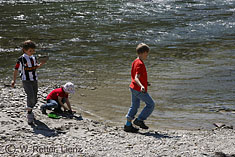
(152,105)
(31,102)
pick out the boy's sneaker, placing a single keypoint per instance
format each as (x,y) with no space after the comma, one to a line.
(130,129)
(30,118)
(140,123)
(43,109)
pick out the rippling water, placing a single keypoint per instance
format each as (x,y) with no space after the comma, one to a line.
(92,43)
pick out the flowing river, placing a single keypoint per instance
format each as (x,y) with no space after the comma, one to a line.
(191,65)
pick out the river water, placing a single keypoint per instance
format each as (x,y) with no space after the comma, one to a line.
(191,65)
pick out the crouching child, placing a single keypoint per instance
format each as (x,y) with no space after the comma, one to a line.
(57,98)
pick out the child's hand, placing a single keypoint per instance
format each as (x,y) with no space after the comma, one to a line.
(13,84)
(142,89)
(71,112)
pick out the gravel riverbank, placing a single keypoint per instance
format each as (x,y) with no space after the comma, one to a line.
(80,136)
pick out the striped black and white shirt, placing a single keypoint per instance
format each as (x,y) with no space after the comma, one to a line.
(27,66)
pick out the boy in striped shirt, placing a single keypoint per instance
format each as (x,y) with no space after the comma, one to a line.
(27,65)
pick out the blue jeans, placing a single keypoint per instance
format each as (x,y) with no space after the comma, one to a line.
(53,104)
(136,97)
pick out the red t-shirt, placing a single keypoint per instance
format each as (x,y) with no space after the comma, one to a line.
(57,92)
(138,67)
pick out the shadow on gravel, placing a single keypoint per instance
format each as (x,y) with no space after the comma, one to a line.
(71,116)
(221,154)
(41,128)
(67,115)
(155,134)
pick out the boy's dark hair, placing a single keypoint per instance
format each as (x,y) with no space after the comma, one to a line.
(141,48)
(28,44)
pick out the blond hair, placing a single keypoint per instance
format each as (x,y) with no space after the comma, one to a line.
(141,48)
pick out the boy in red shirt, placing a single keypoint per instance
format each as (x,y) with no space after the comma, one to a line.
(138,88)
(58,97)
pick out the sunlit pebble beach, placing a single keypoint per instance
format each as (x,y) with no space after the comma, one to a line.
(80,136)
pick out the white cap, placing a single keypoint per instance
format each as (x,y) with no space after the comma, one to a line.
(69,88)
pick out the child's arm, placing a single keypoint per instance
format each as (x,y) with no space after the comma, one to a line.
(61,104)
(69,105)
(137,76)
(14,78)
(39,65)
